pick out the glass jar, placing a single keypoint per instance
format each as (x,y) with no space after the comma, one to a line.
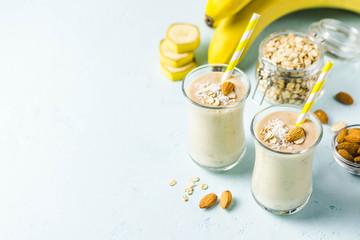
(282,86)
(216,137)
(282,181)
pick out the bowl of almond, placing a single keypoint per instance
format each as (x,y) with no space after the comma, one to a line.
(346,148)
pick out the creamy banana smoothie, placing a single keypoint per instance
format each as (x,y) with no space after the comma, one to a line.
(282,175)
(216,137)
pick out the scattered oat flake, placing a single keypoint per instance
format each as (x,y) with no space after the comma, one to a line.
(185,198)
(191,184)
(172,183)
(188,189)
(203,186)
(194,179)
(268,137)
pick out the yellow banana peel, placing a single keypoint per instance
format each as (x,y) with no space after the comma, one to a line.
(227,35)
(216,10)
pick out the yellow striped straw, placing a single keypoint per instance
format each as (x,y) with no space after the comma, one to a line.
(314,93)
(240,48)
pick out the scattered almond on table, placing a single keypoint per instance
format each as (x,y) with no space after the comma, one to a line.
(344,98)
(225,199)
(208,201)
(323,117)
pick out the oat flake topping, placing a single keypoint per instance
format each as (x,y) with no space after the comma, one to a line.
(211,93)
(274,134)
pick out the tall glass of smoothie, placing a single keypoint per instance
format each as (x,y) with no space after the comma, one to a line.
(216,138)
(282,176)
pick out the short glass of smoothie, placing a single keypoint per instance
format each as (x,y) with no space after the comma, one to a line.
(216,138)
(282,176)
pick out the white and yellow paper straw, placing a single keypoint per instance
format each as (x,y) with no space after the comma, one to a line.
(240,48)
(314,93)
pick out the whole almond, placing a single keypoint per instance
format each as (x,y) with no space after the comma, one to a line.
(295,133)
(354,131)
(322,116)
(225,199)
(350,147)
(341,135)
(208,200)
(344,98)
(352,138)
(227,87)
(357,159)
(345,154)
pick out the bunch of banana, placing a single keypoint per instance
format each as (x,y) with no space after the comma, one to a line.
(177,50)
(230,29)
(216,10)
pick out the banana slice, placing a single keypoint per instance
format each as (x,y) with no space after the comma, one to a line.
(300,140)
(173,59)
(182,37)
(176,74)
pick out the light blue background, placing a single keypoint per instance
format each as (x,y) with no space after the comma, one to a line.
(91,132)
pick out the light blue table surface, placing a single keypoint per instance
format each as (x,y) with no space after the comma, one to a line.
(91,132)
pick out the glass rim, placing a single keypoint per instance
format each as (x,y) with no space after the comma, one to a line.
(281,152)
(246,78)
(312,67)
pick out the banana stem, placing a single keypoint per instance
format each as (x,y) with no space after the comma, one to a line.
(209,21)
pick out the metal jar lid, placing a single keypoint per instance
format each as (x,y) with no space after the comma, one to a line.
(339,39)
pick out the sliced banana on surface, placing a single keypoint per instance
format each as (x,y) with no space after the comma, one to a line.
(172,59)
(176,74)
(182,37)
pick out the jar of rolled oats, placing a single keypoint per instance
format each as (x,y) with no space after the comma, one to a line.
(290,62)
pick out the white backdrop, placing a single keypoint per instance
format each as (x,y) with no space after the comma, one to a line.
(91,132)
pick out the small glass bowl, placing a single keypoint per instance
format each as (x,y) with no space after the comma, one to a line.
(351,167)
